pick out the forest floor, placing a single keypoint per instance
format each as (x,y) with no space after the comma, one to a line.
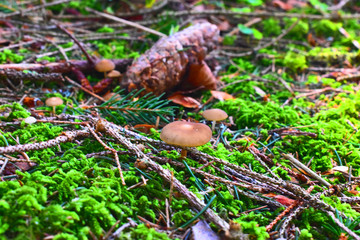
(284,164)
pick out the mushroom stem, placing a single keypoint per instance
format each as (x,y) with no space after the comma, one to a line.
(183,153)
(54,113)
(213,125)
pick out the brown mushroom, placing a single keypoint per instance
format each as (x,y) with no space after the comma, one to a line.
(104,65)
(113,95)
(214,115)
(53,102)
(186,134)
(114,74)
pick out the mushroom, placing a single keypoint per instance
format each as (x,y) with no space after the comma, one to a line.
(113,95)
(214,115)
(114,74)
(104,66)
(30,120)
(186,134)
(53,102)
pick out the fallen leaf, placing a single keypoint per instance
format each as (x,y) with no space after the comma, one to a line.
(311,40)
(145,128)
(343,169)
(25,165)
(199,76)
(221,95)
(31,102)
(353,192)
(185,101)
(297,3)
(259,91)
(202,230)
(282,5)
(281,199)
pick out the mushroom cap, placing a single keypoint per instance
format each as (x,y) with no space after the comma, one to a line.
(54,101)
(186,134)
(114,74)
(109,95)
(104,65)
(30,120)
(214,114)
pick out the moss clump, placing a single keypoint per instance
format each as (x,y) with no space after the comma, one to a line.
(295,62)
(10,112)
(305,235)
(251,114)
(8,56)
(142,232)
(253,230)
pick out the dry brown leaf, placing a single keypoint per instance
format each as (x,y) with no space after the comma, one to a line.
(31,102)
(199,76)
(202,230)
(281,199)
(221,95)
(259,91)
(353,192)
(185,101)
(282,5)
(311,40)
(145,128)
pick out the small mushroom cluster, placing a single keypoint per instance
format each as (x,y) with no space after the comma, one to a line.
(107,67)
(186,134)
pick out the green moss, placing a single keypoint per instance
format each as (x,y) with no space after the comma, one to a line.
(305,235)
(271,27)
(326,28)
(142,232)
(182,216)
(115,49)
(252,228)
(8,56)
(252,114)
(299,31)
(342,207)
(294,61)
(14,111)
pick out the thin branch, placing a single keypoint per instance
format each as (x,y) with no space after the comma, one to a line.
(258,14)
(306,169)
(32,9)
(64,137)
(84,89)
(292,216)
(90,59)
(132,24)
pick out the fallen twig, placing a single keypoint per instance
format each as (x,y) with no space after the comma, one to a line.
(306,169)
(133,24)
(65,137)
